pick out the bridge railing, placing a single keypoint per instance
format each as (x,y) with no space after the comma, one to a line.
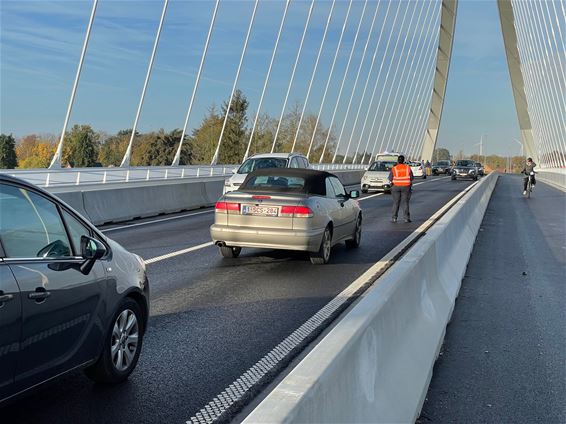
(94,176)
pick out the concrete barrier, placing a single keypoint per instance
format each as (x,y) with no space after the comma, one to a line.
(126,201)
(375,365)
(555,177)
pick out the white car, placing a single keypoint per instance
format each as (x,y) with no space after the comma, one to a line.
(417,169)
(377,176)
(264,161)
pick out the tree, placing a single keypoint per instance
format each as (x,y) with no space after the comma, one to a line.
(40,155)
(205,137)
(8,158)
(234,140)
(81,147)
(161,147)
(113,148)
(440,154)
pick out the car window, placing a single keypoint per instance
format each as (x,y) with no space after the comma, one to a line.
(261,163)
(338,187)
(381,166)
(274,182)
(76,231)
(295,163)
(305,162)
(330,189)
(30,225)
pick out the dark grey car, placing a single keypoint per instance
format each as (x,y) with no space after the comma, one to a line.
(69,296)
(464,169)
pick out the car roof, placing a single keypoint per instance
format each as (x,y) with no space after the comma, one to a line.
(11,179)
(276,155)
(315,181)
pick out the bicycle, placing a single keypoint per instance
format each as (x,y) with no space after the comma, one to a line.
(530,184)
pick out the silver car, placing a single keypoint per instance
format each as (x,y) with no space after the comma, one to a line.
(292,209)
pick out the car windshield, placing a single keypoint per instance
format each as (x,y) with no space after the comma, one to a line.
(261,163)
(442,163)
(465,163)
(274,182)
(478,164)
(381,166)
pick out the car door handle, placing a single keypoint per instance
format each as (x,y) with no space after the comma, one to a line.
(6,298)
(39,295)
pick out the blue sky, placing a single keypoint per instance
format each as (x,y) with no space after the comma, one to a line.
(40,43)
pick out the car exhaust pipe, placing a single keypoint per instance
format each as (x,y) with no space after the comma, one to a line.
(220,244)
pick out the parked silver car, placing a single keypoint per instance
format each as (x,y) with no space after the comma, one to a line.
(292,209)
(69,296)
(377,176)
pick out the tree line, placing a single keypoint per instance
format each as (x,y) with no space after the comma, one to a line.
(85,147)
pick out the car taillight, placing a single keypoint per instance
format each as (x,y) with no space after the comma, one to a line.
(296,211)
(261,197)
(227,207)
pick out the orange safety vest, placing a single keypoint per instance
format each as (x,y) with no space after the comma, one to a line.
(401,175)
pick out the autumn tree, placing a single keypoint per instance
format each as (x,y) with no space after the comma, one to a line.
(8,159)
(440,154)
(113,148)
(160,148)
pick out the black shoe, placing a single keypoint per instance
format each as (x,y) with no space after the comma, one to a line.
(408,220)
(393,220)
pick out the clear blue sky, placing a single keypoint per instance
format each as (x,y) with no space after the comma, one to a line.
(40,43)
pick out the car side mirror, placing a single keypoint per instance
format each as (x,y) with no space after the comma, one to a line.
(91,251)
(354,194)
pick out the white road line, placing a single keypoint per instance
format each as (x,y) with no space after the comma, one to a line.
(177,253)
(157,220)
(305,333)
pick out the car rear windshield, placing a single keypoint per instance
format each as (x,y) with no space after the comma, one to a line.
(261,163)
(465,163)
(274,183)
(381,166)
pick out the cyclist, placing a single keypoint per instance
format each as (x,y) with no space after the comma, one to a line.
(527,169)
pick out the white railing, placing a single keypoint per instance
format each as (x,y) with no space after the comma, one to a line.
(93,176)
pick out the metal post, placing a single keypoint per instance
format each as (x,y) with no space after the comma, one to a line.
(217,152)
(56,161)
(177,157)
(274,52)
(128,154)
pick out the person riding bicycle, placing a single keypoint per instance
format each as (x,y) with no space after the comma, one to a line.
(528,168)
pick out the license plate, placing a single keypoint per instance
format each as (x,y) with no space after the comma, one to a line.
(260,210)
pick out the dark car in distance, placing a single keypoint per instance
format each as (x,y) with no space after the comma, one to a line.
(70,297)
(465,169)
(441,167)
(481,170)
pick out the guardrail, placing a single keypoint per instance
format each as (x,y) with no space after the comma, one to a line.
(84,176)
(375,365)
(553,176)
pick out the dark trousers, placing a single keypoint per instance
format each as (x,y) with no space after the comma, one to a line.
(526,180)
(401,194)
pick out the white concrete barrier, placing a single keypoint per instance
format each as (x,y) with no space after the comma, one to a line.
(376,363)
(554,176)
(126,201)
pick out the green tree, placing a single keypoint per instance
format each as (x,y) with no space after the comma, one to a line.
(161,147)
(440,154)
(8,159)
(113,148)
(81,146)
(234,140)
(205,137)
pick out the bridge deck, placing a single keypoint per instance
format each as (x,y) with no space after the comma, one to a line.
(503,358)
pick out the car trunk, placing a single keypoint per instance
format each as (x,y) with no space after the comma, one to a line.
(261,210)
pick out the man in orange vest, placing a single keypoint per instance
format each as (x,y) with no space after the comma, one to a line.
(401,177)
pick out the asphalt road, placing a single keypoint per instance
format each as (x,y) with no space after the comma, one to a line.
(504,355)
(213,318)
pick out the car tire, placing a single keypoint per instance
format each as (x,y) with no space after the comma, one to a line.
(356,239)
(424,177)
(115,364)
(453,178)
(230,251)
(364,190)
(322,256)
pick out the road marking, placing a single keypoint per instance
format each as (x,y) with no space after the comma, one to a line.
(177,253)
(284,352)
(156,220)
